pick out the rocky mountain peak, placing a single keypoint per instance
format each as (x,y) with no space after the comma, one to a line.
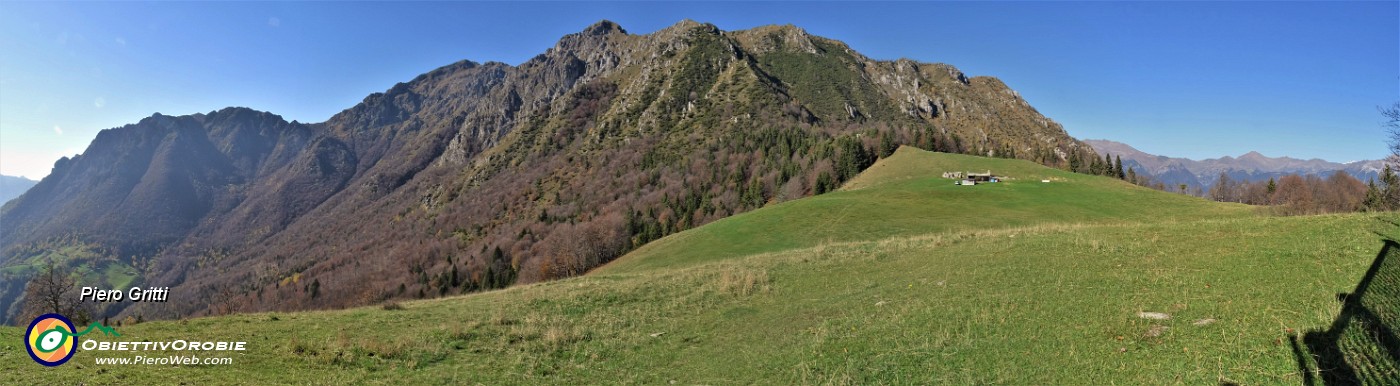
(603,27)
(682,31)
(596,44)
(684,24)
(787,30)
(772,38)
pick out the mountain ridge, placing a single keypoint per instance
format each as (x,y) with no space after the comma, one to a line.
(476,175)
(1250,166)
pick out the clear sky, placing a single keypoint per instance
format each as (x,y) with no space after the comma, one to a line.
(1192,79)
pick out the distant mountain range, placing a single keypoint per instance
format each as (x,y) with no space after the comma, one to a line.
(1251,166)
(11,187)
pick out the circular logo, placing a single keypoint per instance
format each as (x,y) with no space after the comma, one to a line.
(50,340)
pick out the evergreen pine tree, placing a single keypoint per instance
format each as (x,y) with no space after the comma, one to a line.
(1373,196)
(887,145)
(1118,167)
(1389,189)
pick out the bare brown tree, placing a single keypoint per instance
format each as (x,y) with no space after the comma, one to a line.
(1294,194)
(53,289)
(1392,127)
(1391,196)
(1341,193)
(1225,189)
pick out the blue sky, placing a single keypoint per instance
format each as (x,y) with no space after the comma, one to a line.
(1193,79)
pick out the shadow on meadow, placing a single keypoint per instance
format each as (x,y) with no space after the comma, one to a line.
(1360,347)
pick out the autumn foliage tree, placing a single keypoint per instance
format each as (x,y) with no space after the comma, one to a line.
(1297,194)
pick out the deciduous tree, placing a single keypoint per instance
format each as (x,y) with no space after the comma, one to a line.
(53,289)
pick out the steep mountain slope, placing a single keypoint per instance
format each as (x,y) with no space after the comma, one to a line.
(1251,166)
(145,185)
(11,187)
(475,176)
(141,188)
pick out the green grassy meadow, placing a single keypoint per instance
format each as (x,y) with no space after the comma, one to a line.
(905,195)
(111,273)
(898,278)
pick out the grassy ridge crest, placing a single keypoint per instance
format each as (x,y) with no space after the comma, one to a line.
(905,195)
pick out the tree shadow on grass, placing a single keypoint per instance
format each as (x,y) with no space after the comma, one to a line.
(1360,347)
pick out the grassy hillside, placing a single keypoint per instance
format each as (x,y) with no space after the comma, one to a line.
(1041,283)
(905,195)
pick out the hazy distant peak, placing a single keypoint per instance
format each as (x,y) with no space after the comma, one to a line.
(1251,166)
(1112,147)
(11,187)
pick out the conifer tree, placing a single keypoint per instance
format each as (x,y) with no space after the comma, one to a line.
(1118,167)
(1269,192)
(1373,197)
(1390,188)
